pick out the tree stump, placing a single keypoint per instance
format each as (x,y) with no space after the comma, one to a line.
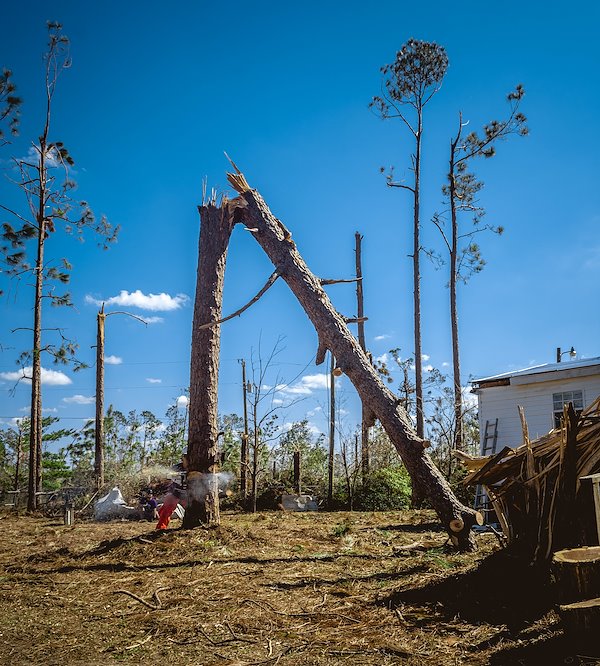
(581,624)
(576,574)
(577,582)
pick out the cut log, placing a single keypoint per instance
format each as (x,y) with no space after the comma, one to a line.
(581,624)
(333,333)
(576,574)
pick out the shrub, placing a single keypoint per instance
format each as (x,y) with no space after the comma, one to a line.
(385,489)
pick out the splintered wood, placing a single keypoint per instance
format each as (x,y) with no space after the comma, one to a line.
(535,489)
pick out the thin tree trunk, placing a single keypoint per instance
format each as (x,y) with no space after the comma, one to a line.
(202,452)
(334,335)
(99,431)
(417,281)
(35,431)
(458,411)
(367,417)
(18,463)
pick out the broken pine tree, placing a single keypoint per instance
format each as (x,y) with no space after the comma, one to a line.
(333,335)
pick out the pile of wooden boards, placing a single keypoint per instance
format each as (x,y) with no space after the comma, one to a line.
(535,489)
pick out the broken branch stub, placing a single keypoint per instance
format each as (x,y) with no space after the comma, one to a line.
(333,333)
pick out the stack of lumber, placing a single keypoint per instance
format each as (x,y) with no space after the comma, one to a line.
(535,489)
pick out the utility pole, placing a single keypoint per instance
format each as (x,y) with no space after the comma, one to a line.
(331,429)
(367,416)
(244,447)
(99,427)
(99,432)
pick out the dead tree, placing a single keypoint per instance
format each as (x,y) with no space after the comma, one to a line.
(202,454)
(334,335)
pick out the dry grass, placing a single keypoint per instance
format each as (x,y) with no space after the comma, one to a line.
(273,588)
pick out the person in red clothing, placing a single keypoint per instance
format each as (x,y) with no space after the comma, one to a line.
(172,499)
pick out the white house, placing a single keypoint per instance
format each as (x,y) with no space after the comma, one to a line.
(542,391)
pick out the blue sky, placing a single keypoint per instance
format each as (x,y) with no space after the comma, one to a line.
(158,91)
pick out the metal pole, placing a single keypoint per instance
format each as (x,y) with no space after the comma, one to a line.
(331,430)
(244,447)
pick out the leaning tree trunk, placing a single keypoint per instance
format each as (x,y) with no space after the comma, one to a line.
(202,453)
(333,334)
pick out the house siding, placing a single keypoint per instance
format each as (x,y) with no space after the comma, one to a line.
(501,402)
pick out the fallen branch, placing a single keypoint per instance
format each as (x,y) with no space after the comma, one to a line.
(137,645)
(269,283)
(158,605)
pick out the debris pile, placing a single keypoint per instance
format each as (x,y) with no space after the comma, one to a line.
(536,489)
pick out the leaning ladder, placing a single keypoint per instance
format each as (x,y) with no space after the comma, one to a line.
(488,447)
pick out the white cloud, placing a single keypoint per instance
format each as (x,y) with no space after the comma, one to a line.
(445,364)
(78,399)
(49,377)
(183,401)
(384,336)
(382,359)
(277,401)
(425,357)
(137,299)
(152,380)
(427,368)
(306,385)
(314,412)
(318,381)
(113,360)
(45,410)
(153,320)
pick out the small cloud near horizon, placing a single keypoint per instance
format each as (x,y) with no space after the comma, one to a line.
(113,360)
(384,336)
(153,380)
(137,299)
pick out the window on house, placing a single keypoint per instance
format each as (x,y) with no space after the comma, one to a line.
(561,399)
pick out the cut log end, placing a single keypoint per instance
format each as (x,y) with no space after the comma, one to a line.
(457,524)
(583,554)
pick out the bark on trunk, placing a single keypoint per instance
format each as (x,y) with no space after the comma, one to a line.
(202,453)
(35,430)
(334,335)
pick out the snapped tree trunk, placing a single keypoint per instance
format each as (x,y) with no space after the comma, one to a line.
(202,452)
(334,335)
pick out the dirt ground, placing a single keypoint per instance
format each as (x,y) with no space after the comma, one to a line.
(271,588)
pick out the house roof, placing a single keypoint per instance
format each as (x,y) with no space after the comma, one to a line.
(541,373)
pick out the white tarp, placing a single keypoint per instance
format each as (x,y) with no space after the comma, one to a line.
(114,506)
(299,503)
